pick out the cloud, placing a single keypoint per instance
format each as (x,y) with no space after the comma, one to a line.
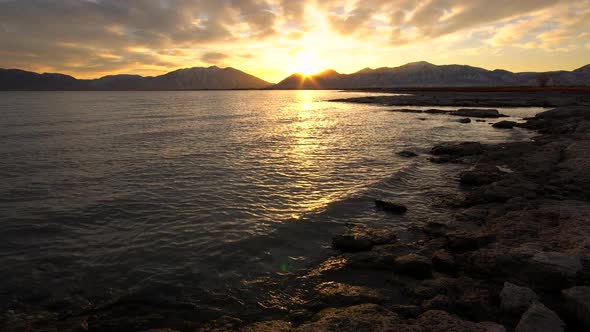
(213,57)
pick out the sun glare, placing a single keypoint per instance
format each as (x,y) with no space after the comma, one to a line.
(306,63)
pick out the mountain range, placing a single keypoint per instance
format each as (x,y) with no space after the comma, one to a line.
(415,74)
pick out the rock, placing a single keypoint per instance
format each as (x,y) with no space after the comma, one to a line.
(339,293)
(458,150)
(464,120)
(461,241)
(504,124)
(406,110)
(407,154)
(443,261)
(435,229)
(564,112)
(492,327)
(480,177)
(553,270)
(438,320)
(390,206)
(413,265)
(539,318)
(516,299)
(363,317)
(577,303)
(439,302)
(351,243)
(479,120)
(268,326)
(436,111)
(478,113)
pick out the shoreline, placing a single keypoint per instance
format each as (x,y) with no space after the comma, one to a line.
(517,246)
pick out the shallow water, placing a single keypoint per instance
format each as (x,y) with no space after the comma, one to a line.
(192,194)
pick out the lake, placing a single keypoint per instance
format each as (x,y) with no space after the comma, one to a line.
(187,197)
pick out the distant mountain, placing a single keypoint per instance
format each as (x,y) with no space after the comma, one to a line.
(211,78)
(424,74)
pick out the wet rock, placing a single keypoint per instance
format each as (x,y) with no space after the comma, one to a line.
(413,265)
(268,326)
(464,120)
(443,261)
(478,113)
(492,327)
(553,270)
(439,302)
(480,176)
(339,293)
(577,304)
(504,124)
(364,317)
(479,120)
(516,299)
(435,229)
(462,241)
(458,149)
(390,206)
(564,113)
(351,243)
(407,154)
(436,111)
(407,110)
(503,190)
(539,318)
(438,320)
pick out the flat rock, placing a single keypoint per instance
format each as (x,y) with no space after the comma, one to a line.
(464,120)
(444,262)
(516,299)
(577,303)
(268,326)
(390,206)
(539,318)
(477,113)
(504,124)
(363,317)
(413,265)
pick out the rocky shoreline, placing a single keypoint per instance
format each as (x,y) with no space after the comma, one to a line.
(515,256)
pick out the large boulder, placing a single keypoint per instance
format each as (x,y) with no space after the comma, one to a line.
(478,113)
(539,318)
(577,304)
(516,299)
(413,265)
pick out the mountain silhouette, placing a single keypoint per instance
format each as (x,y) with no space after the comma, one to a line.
(425,74)
(211,78)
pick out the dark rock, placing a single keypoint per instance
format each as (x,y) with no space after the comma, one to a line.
(444,262)
(363,317)
(479,177)
(435,229)
(464,120)
(406,110)
(407,154)
(461,241)
(539,318)
(390,206)
(339,293)
(351,243)
(553,270)
(478,113)
(268,326)
(504,124)
(577,303)
(413,265)
(436,111)
(439,302)
(458,149)
(438,320)
(479,120)
(516,299)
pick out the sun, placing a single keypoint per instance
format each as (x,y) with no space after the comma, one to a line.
(306,63)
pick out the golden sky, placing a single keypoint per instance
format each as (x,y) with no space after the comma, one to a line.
(274,38)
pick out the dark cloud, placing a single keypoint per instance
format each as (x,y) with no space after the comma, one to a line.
(213,57)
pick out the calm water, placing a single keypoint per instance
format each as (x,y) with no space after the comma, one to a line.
(192,194)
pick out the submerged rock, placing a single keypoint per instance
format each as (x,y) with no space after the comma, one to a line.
(504,124)
(478,113)
(539,318)
(413,265)
(390,206)
(464,120)
(516,299)
(351,243)
(407,154)
(577,303)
